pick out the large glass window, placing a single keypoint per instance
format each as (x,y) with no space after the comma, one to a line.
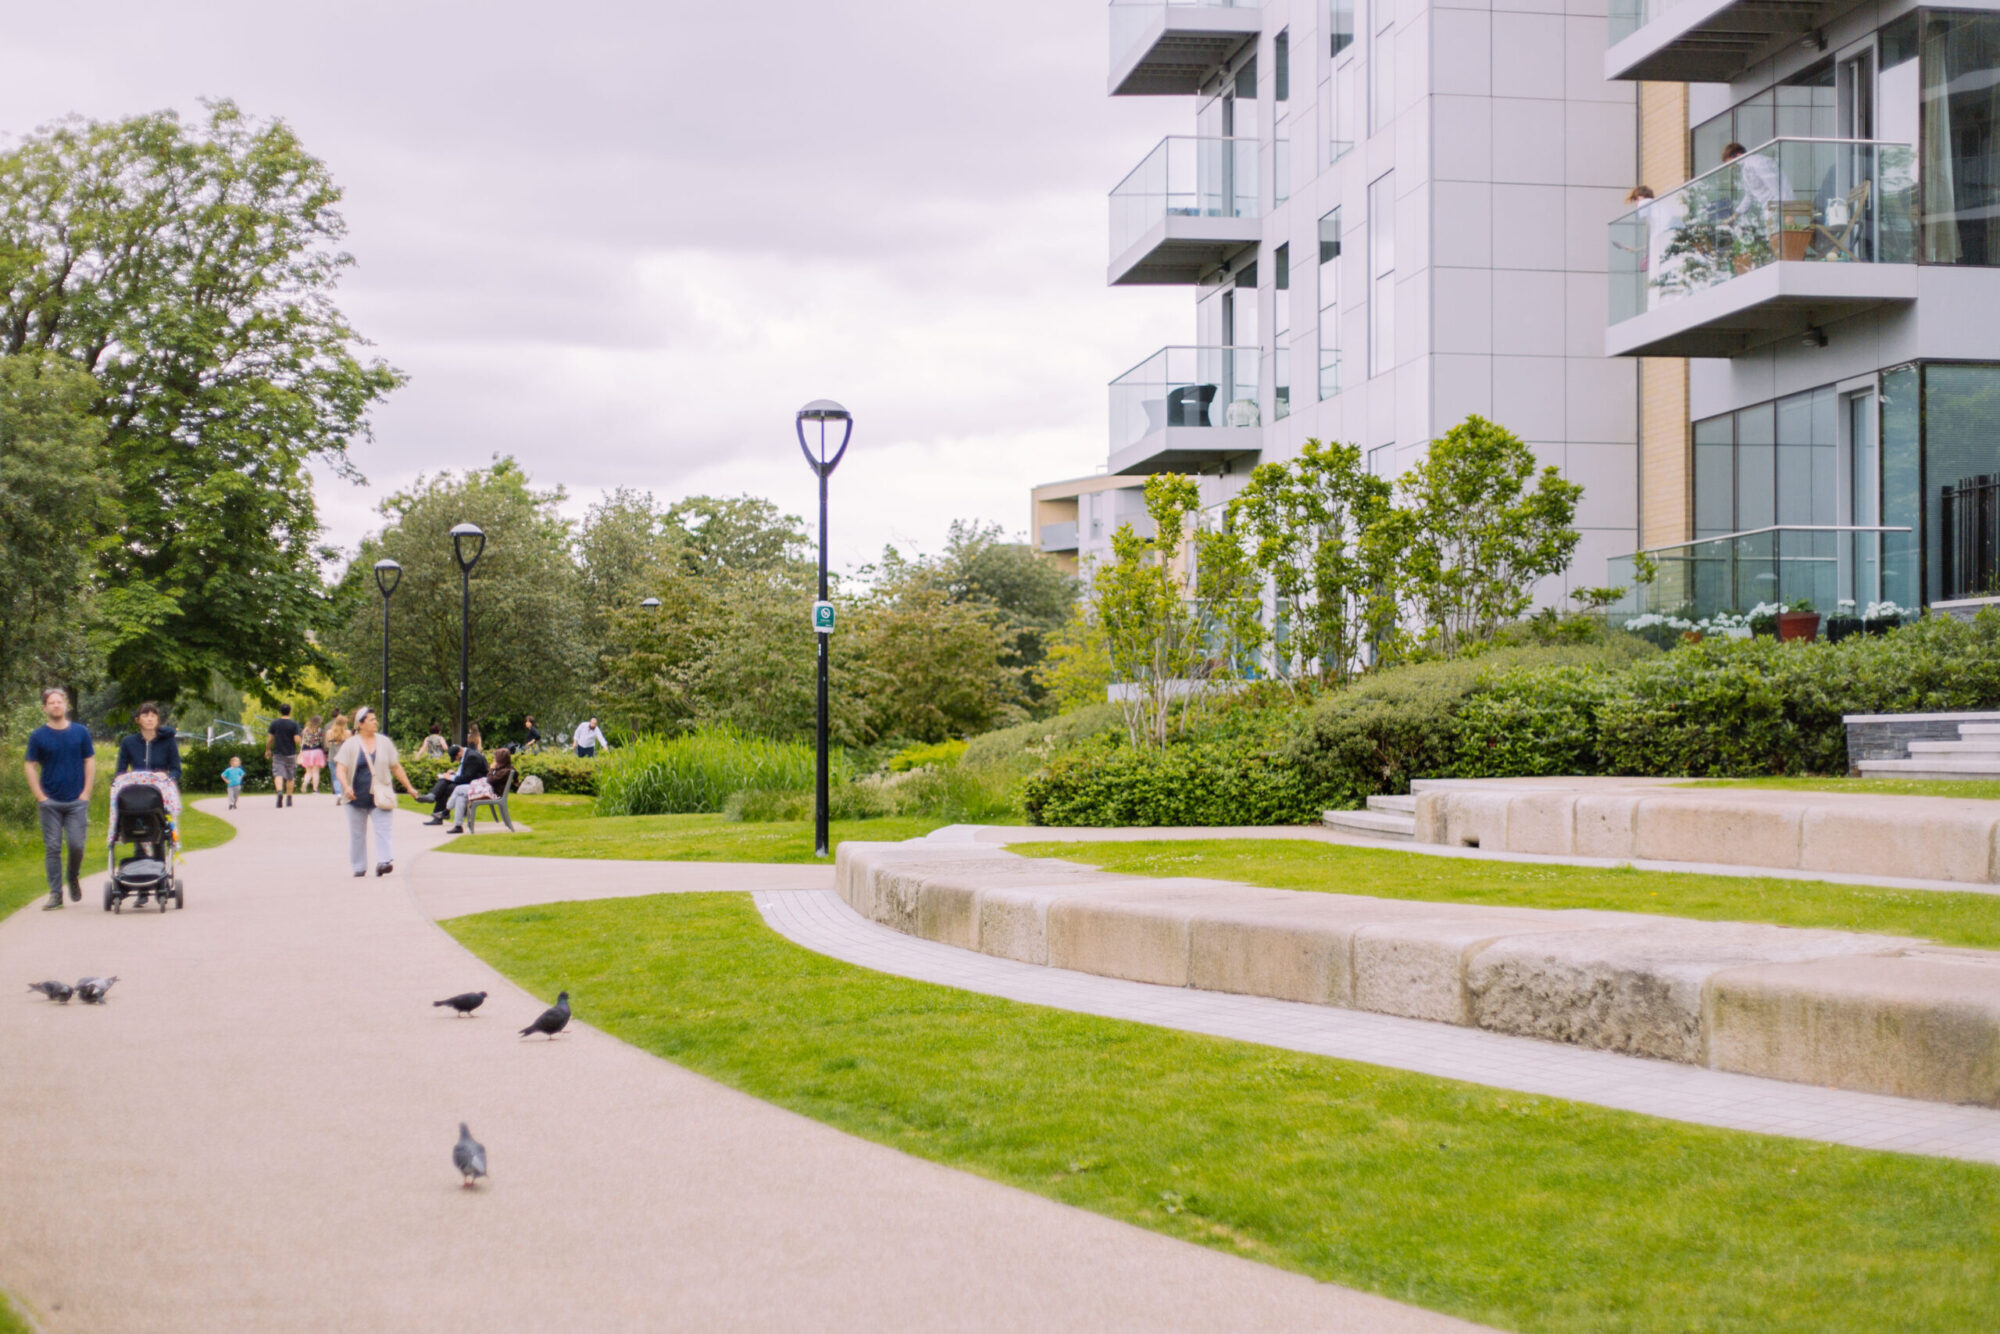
(1382,274)
(1961,408)
(1902,482)
(1715,477)
(1959,167)
(1802,107)
(1329,304)
(1382,68)
(1281,332)
(1769,465)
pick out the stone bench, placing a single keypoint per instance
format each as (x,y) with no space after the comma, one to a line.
(1877,1014)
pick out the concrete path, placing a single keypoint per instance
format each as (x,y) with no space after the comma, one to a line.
(255,1135)
(823,922)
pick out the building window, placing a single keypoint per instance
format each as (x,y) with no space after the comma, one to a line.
(1329,304)
(1281,139)
(1281,66)
(1382,69)
(1281,335)
(1336,96)
(1959,157)
(1382,274)
(1382,460)
(1772,465)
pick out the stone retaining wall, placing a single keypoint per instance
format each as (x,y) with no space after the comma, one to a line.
(1871,1013)
(1887,736)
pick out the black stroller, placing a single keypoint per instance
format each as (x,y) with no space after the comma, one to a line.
(150,870)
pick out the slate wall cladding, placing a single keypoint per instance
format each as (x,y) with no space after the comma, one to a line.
(1887,736)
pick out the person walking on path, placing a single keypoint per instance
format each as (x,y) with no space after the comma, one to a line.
(281,748)
(151,749)
(367,763)
(312,754)
(232,778)
(62,769)
(531,736)
(337,733)
(588,738)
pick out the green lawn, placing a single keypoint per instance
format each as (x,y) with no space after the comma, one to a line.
(564,827)
(10,1322)
(22,879)
(1988,789)
(1333,868)
(1523,1212)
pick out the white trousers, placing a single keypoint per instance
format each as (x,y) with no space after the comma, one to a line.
(358,820)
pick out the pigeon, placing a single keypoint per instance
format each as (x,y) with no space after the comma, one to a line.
(552,1019)
(468,1156)
(55,991)
(91,989)
(465,1002)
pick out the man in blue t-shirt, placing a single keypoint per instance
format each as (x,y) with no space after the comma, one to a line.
(62,768)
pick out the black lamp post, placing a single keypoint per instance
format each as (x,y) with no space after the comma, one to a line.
(821,411)
(387,575)
(467,542)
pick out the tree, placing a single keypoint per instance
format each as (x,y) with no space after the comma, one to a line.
(1152,632)
(1470,535)
(529,653)
(928,667)
(727,533)
(1307,520)
(57,502)
(191,271)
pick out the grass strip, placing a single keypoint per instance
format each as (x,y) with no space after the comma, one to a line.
(564,827)
(1524,1212)
(23,881)
(1944,916)
(11,1321)
(1986,788)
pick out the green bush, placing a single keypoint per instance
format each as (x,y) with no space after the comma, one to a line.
(202,766)
(1192,784)
(1532,722)
(924,757)
(559,772)
(1026,746)
(699,772)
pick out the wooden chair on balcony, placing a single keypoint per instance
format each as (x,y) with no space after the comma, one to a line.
(1840,241)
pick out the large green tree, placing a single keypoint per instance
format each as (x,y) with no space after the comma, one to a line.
(529,649)
(56,506)
(190,270)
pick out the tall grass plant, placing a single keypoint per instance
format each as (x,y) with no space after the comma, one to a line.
(698,773)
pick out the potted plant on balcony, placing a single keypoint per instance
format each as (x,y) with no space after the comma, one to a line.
(1881,617)
(1796,232)
(1843,622)
(1764,620)
(1798,621)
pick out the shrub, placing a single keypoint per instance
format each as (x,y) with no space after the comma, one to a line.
(1198,784)
(202,766)
(1532,722)
(923,757)
(698,772)
(1024,747)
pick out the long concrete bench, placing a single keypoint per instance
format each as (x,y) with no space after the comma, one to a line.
(1878,1014)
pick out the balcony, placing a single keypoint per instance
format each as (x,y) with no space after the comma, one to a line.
(1058,536)
(1183,211)
(1185,408)
(1704,41)
(1793,235)
(1825,565)
(1172,46)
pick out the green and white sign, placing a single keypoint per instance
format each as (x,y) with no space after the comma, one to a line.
(823,617)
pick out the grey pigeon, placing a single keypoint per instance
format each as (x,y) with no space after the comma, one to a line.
(465,1002)
(552,1019)
(468,1156)
(55,991)
(91,989)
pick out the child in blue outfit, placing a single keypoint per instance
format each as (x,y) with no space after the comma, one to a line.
(233,778)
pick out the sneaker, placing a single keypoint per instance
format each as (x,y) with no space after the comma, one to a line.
(288,798)
(383,868)
(55,901)
(435,819)
(456,829)
(281,800)
(75,890)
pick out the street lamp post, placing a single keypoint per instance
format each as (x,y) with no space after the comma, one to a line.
(821,411)
(465,537)
(649,604)
(387,575)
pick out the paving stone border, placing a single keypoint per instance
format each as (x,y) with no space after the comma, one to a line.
(1875,1014)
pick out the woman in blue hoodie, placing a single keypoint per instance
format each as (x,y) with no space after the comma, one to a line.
(152,748)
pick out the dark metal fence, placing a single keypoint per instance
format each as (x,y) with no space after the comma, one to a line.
(1969,553)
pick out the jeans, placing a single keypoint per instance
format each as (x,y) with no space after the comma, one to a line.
(358,819)
(586,752)
(60,820)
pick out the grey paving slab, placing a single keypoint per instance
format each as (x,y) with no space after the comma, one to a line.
(823,922)
(255,1135)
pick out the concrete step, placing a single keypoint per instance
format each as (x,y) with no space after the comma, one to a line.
(1375,824)
(1405,805)
(1970,746)
(1931,767)
(1979,729)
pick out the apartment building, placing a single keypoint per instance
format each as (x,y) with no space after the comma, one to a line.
(1811,299)
(1387,214)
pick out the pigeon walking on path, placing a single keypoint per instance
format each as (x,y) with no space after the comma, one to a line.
(91,989)
(55,991)
(469,1157)
(465,1002)
(552,1019)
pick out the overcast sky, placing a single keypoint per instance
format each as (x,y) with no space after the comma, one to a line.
(624,242)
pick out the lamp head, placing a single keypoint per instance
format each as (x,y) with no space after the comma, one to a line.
(388,574)
(649,604)
(467,542)
(820,412)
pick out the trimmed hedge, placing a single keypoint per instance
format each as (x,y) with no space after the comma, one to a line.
(1200,784)
(202,766)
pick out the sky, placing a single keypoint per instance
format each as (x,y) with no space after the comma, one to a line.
(624,242)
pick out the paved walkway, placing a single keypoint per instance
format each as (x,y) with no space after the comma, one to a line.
(823,922)
(255,1135)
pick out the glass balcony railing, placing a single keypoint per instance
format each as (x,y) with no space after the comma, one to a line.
(1131,20)
(1059,536)
(1185,386)
(1628,16)
(1185,177)
(1825,565)
(1830,201)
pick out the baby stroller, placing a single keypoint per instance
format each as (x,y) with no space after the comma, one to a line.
(142,808)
